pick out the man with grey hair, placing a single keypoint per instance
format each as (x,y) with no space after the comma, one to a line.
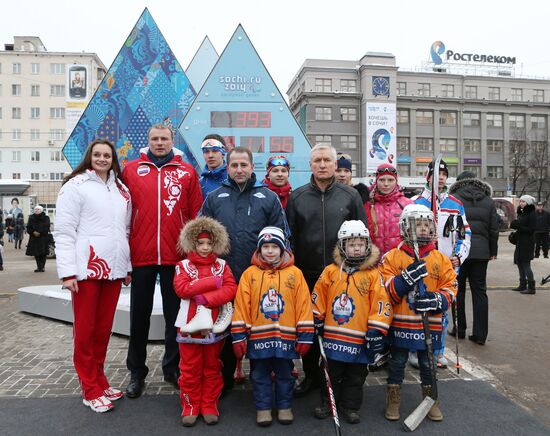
(315,212)
(165,195)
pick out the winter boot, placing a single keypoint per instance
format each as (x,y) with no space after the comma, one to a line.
(522,286)
(434,414)
(285,416)
(210,418)
(323,411)
(189,420)
(351,416)
(530,288)
(263,418)
(201,321)
(393,400)
(224,319)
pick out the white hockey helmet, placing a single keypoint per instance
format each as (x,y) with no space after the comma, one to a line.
(412,215)
(353,229)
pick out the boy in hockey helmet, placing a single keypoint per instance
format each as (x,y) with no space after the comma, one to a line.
(403,275)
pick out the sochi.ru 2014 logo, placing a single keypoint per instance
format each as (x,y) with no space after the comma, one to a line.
(438,48)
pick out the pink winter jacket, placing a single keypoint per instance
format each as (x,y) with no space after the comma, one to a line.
(384,220)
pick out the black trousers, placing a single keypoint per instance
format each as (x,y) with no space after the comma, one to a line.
(141,306)
(40,261)
(310,362)
(541,241)
(229,364)
(475,271)
(347,381)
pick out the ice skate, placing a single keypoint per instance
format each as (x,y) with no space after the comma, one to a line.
(224,318)
(201,322)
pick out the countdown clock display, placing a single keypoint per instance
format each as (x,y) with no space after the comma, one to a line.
(240,102)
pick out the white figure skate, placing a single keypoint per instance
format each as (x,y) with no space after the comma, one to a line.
(201,322)
(224,318)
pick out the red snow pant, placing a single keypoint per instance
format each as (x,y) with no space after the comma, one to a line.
(201,379)
(94,308)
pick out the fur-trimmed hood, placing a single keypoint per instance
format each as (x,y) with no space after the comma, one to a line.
(471,189)
(193,228)
(368,263)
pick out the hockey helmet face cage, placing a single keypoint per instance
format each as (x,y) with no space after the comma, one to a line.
(348,231)
(417,223)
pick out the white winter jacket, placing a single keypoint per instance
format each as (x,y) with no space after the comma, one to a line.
(91,228)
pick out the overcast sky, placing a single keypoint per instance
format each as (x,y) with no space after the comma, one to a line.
(286,32)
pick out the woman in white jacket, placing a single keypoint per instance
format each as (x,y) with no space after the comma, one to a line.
(93,259)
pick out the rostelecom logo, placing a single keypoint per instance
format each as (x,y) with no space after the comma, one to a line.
(437,49)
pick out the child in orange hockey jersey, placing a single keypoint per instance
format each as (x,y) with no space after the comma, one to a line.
(353,314)
(272,324)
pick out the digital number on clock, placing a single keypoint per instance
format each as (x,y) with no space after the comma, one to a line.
(240,119)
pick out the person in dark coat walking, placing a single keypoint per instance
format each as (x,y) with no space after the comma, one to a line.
(541,230)
(525,225)
(482,216)
(19,232)
(38,228)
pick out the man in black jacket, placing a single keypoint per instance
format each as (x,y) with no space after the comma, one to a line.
(315,212)
(541,230)
(483,219)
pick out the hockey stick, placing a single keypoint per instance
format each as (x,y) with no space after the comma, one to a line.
(417,416)
(331,398)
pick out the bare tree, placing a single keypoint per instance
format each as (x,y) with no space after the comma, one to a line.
(538,161)
(518,163)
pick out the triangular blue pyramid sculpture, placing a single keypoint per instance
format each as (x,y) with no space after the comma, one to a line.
(144,86)
(202,63)
(241,102)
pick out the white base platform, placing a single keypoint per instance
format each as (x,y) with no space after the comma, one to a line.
(53,302)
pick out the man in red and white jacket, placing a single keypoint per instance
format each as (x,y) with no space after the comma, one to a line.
(165,195)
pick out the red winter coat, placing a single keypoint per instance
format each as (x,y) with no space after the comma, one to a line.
(384,227)
(163,200)
(196,276)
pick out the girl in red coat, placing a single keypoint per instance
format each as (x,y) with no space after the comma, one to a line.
(206,285)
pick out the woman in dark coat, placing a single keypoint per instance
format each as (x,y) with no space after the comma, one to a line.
(19,232)
(525,225)
(38,228)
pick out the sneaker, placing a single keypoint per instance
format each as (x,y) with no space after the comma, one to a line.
(442,361)
(413,360)
(113,394)
(99,405)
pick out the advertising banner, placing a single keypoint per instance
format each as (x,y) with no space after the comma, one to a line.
(380,135)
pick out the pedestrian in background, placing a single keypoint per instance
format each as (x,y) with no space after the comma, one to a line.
(541,230)
(19,231)
(10,227)
(38,228)
(92,223)
(525,226)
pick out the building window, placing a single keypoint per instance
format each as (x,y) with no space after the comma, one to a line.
(56,176)
(517,121)
(16,113)
(57,90)
(348,142)
(35,90)
(448,145)
(16,68)
(403,145)
(404,170)
(323,114)
(16,90)
(56,134)
(16,156)
(35,113)
(348,114)
(323,139)
(420,170)
(57,68)
(424,144)
(56,156)
(471,119)
(401,88)
(470,91)
(323,85)
(476,169)
(538,122)
(35,156)
(35,68)
(453,170)
(16,176)
(35,176)
(494,93)
(472,146)
(57,113)
(424,117)
(35,134)
(402,116)
(424,89)
(517,94)
(495,145)
(347,85)
(447,90)
(538,95)
(447,118)
(494,120)
(495,172)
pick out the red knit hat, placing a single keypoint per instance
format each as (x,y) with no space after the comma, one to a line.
(386,169)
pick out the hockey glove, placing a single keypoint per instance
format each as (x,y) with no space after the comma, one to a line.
(319,326)
(374,342)
(239,349)
(302,348)
(430,302)
(414,272)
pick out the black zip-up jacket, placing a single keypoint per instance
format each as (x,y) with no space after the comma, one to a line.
(314,218)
